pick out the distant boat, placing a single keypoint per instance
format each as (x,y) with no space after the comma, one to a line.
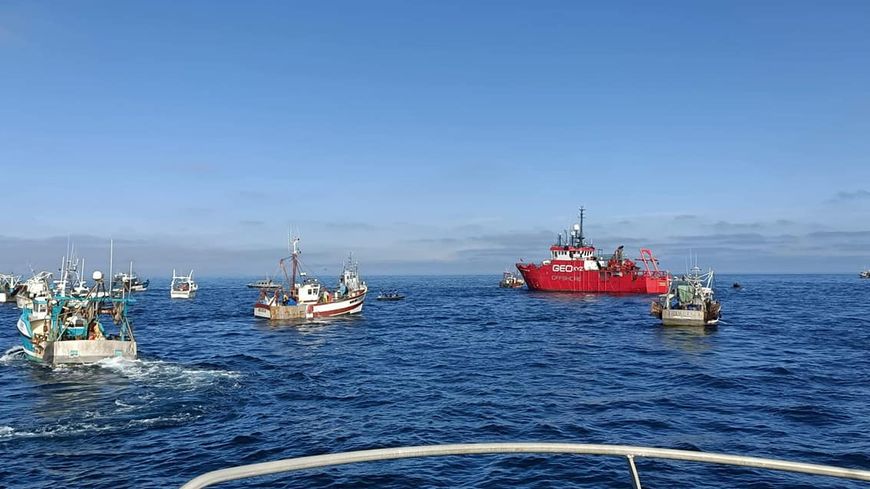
(266,283)
(689,301)
(129,282)
(37,285)
(308,298)
(392,295)
(183,287)
(736,285)
(576,266)
(8,283)
(511,281)
(865,273)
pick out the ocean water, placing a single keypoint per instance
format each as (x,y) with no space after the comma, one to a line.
(785,375)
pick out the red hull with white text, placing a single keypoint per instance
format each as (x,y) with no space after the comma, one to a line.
(575,266)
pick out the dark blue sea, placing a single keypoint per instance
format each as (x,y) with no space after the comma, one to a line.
(785,375)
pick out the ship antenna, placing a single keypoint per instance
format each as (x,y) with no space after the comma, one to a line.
(582,211)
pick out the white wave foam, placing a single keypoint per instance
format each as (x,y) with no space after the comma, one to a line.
(159,372)
(123,405)
(7,432)
(13,354)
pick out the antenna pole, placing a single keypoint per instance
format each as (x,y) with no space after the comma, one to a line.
(111,262)
(582,211)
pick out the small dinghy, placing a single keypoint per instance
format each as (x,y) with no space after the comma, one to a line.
(392,295)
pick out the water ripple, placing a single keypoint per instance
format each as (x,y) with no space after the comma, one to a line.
(458,361)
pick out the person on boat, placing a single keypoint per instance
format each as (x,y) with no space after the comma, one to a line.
(94,331)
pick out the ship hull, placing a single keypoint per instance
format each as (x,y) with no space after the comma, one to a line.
(686,317)
(182,294)
(551,277)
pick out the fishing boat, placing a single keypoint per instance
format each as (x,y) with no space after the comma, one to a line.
(511,281)
(63,329)
(8,283)
(689,301)
(865,273)
(390,295)
(71,281)
(307,298)
(37,285)
(183,287)
(129,282)
(266,283)
(576,266)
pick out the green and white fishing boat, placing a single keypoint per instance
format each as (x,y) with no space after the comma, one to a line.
(57,328)
(689,301)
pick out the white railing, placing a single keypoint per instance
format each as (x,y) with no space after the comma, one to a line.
(630,453)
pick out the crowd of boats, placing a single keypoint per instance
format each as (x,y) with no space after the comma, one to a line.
(70,319)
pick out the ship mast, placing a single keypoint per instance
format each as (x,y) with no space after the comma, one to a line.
(295,263)
(582,212)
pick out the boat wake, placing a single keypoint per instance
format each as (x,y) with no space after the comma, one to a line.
(158,372)
(13,354)
(91,428)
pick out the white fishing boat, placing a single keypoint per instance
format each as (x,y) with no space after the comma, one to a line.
(689,301)
(307,298)
(8,284)
(183,287)
(37,285)
(865,273)
(129,282)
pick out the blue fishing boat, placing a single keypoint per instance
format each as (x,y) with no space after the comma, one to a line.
(56,328)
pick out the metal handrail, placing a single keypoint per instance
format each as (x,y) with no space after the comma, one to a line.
(627,451)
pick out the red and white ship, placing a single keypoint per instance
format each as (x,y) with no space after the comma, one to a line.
(574,266)
(308,298)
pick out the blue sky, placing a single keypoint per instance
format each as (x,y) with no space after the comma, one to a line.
(434,137)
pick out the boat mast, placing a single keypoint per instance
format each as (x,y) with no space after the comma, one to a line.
(295,263)
(582,211)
